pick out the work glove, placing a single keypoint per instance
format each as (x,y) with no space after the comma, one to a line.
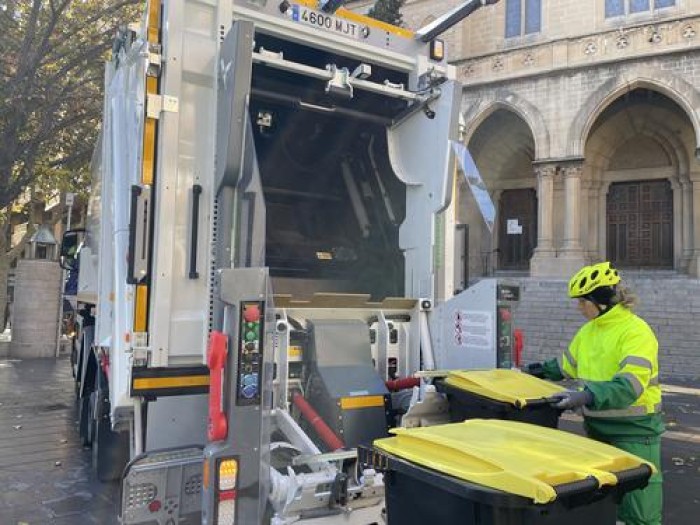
(533,369)
(572,399)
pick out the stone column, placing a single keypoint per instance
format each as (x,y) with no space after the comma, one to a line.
(694,265)
(543,262)
(687,222)
(572,257)
(592,241)
(35,309)
(493,259)
(603,219)
(677,190)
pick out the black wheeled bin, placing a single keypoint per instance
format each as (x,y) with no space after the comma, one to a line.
(488,472)
(499,394)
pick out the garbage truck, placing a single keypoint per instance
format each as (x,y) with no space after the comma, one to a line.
(265,266)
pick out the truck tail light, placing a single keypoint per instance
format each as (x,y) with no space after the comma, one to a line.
(228,473)
(227,480)
(226,509)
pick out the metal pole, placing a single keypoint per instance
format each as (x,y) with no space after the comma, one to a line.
(61,286)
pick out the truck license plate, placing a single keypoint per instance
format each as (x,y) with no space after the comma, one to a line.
(320,20)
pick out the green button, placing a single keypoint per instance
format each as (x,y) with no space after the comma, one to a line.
(251,336)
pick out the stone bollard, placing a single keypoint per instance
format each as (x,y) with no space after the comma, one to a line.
(35,311)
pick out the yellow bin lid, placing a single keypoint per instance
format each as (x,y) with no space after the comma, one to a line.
(519,458)
(509,386)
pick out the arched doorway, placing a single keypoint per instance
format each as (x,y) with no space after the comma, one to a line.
(640,224)
(517,228)
(503,149)
(639,213)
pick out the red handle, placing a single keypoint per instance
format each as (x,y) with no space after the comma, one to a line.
(519,345)
(217,428)
(403,383)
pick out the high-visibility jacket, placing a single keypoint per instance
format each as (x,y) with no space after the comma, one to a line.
(616,346)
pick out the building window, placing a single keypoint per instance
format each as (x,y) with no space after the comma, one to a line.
(523,17)
(623,7)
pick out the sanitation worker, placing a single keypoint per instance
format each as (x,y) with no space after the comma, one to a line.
(615,357)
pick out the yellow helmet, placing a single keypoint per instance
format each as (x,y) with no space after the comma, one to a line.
(590,278)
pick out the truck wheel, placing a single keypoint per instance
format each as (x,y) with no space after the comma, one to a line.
(110,450)
(84,420)
(91,423)
(74,358)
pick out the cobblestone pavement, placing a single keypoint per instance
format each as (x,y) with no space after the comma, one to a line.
(46,476)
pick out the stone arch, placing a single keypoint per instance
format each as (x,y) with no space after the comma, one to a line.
(669,142)
(509,101)
(672,86)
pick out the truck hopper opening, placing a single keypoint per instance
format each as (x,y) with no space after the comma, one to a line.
(333,203)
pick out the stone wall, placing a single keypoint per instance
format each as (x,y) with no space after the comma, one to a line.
(670,305)
(35,315)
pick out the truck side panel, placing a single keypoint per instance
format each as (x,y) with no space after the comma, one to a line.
(179,315)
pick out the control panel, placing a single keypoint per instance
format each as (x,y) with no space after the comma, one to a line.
(507,296)
(250,353)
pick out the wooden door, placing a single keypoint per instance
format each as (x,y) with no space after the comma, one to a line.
(640,224)
(517,233)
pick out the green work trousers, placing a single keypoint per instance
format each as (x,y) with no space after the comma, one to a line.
(642,507)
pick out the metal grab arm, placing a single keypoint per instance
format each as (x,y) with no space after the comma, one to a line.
(449,19)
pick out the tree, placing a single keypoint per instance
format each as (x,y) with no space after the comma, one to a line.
(51,76)
(51,82)
(388,11)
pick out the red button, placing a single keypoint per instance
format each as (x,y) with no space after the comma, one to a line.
(154,506)
(251,313)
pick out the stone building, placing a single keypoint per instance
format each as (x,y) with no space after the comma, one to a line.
(583,118)
(584,121)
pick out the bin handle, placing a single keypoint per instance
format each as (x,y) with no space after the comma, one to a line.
(632,475)
(576,487)
(520,404)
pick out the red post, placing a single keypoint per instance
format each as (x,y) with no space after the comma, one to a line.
(327,435)
(518,347)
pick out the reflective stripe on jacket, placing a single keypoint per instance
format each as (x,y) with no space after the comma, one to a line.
(617,344)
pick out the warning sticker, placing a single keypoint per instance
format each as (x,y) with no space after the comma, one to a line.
(473,329)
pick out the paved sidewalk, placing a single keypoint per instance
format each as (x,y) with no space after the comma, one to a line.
(46,476)
(45,473)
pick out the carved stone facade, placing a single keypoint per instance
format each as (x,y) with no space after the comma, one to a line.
(595,117)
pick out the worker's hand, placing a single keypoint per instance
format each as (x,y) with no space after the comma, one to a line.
(533,369)
(572,399)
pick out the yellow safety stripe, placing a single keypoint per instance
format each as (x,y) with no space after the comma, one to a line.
(149,383)
(141,308)
(362,19)
(148,162)
(154,21)
(148,165)
(351,403)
